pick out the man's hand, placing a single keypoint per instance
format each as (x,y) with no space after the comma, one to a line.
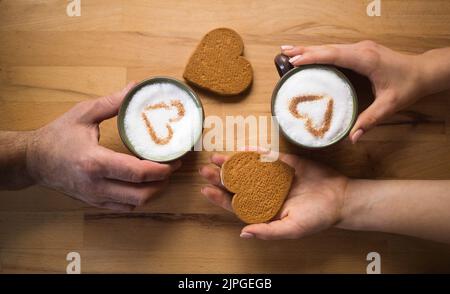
(314,202)
(65,155)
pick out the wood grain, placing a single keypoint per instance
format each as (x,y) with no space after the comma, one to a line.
(49,62)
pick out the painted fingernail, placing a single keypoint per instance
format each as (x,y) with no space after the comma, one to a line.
(286,47)
(357,135)
(245,235)
(295,58)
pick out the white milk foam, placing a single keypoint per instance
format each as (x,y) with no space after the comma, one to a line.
(314,81)
(185,131)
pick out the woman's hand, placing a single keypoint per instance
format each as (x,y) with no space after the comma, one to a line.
(314,202)
(398,80)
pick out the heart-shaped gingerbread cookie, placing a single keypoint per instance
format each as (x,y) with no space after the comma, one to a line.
(259,188)
(217,64)
(174,104)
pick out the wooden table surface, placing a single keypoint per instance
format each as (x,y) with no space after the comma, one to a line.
(49,62)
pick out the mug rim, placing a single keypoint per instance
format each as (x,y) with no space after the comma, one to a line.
(294,70)
(124,105)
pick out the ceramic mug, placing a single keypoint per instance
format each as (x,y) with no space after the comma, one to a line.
(129,96)
(286,70)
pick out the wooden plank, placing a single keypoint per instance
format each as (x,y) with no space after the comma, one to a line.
(252,16)
(211,244)
(59,83)
(41,230)
(288,17)
(30,261)
(50,91)
(24,15)
(134,49)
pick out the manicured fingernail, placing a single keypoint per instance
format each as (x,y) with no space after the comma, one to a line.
(287,47)
(357,135)
(245,235)
(295,58)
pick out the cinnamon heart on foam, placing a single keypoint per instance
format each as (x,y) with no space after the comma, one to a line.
(295,108)
(146,116)
(259,187)
(217,65)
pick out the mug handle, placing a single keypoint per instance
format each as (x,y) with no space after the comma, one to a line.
(282,64)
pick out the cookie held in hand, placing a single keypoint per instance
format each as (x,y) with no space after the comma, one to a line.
(217,64)
(259,188)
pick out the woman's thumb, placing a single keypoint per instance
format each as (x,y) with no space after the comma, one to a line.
(369,118)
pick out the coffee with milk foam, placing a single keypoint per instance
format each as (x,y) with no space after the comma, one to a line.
(314,106)
(162,121)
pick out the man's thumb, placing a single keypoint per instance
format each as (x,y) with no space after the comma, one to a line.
(106,107)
